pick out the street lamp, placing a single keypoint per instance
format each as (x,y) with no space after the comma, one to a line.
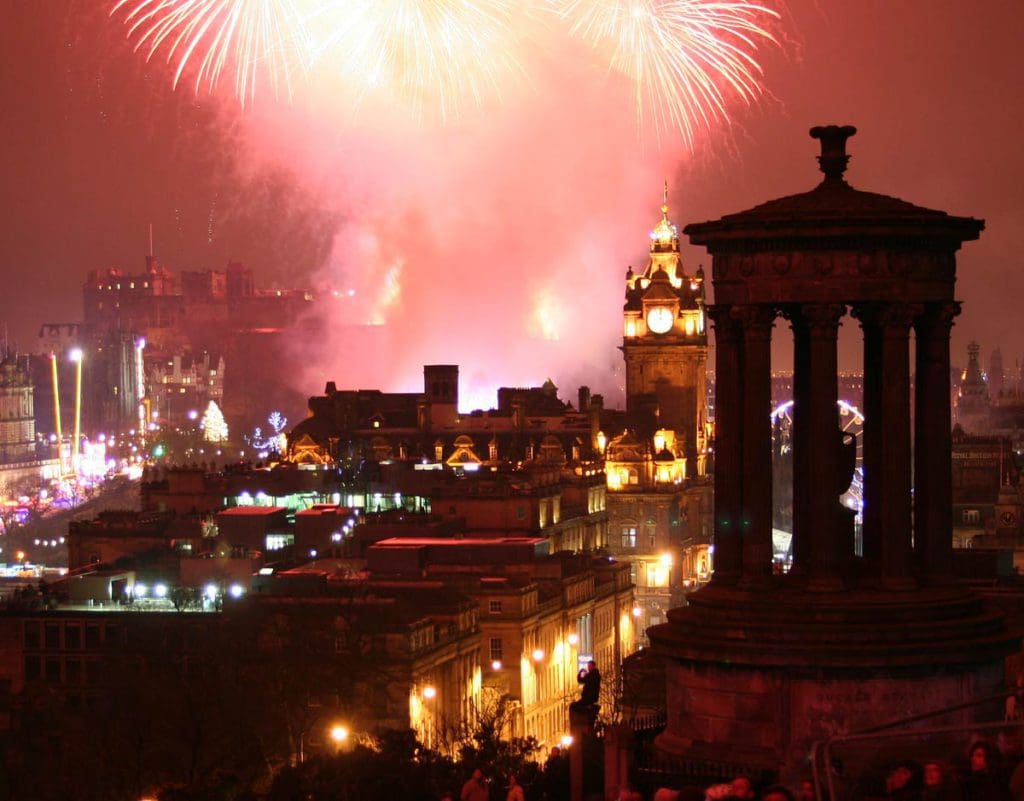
(339,734)
(76,356)
(56,412)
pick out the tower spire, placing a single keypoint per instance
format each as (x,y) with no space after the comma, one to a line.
(664,201)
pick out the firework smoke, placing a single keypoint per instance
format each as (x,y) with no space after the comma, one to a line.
(497,237)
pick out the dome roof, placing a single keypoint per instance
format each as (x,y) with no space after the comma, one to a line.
(834,208)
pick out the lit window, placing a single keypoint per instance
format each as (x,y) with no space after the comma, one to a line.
(496,652)
(494,607)
(629,536)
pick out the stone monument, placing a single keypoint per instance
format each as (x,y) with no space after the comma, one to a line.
(760,665)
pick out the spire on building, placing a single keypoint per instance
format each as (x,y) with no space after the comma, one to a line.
(665,233)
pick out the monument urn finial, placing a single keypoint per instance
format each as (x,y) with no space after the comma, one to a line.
(833,158)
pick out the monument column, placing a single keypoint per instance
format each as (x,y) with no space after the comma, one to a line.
(728,444)
(756,399)
(933,470)
(819,420)
(887,450)
(802,467)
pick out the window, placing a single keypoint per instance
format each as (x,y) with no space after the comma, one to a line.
(32,634)
(629,536)
(92,636)
(496,651)
(494,607)
(73,672)
(32,671)
(53,671)
(52,636)
(972,516)
(73,637)
(275,542)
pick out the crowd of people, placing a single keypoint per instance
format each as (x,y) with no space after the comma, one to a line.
(990,773)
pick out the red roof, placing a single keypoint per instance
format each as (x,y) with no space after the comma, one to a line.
(252,511)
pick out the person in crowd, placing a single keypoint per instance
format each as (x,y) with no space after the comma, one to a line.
(666,794)
(718,792)
(475,788)
(742,788)
(939,783)
(984,781)
(590,678)
(806,791)
(515,790)
(903,782)
(778,793)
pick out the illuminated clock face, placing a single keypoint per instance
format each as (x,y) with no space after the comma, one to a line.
(660,319)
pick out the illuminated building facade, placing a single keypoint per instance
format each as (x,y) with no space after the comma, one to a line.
(659,494)
(197,322)
(530,425)
(541,618)
(23,460)
(17,419)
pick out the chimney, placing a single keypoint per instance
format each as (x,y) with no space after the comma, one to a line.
(584,398)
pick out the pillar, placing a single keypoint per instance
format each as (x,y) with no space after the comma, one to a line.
(887,466)
(802,467)
(728,451)
(820,422)
(933,470)
(756,470)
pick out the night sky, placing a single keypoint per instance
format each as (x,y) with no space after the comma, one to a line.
(94,146)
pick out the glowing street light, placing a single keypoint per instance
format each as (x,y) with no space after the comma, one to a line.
(538,654)
(339,734)
(56,411)
(429,693)
(573,639)
(566,740)
(637,611)
(496,664)
(76,356)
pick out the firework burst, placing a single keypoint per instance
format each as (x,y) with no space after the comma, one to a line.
(430,53)
(243,37)
(687,59)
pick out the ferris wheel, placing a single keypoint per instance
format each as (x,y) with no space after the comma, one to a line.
(851,421)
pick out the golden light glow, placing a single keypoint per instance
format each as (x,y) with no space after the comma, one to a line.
(666,559)
(538,654)
(496,664)
(566,740)
(339,734)
(429,692)
(547,313)
(573,639)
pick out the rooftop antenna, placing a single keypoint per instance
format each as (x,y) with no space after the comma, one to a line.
(151,240)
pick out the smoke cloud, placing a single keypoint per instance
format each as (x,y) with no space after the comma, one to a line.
(497,240)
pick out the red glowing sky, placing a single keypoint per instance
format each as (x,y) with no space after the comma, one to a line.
(508,226)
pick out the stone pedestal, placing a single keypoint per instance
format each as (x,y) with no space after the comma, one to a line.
(758,677)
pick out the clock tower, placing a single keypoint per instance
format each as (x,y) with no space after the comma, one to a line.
(665,345)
